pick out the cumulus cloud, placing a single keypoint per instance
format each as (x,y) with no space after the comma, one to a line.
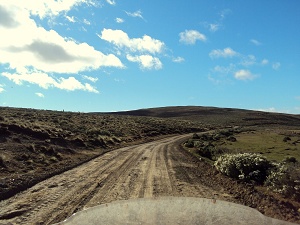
(146,61)
(119,20)
(191,36)
(121,40)
(276,65)
(137,13)
(45,81)
(26,46)
(225,53)
(178,60)
(40,95)
(255,42)
(244,75)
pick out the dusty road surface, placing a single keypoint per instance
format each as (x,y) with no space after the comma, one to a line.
(159,168)
(153,169)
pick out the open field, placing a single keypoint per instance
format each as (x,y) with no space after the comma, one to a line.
(276,145)
(35,145)
(273,144)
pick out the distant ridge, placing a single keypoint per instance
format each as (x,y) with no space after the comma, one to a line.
(214,115)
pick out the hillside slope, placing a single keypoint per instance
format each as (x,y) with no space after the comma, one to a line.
(218,116)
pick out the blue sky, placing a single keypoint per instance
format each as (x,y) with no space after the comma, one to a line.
(113,55)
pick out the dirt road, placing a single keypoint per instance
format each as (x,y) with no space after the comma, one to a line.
(154,169)
(159,168)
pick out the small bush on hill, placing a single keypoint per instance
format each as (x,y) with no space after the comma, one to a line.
(195,136)
(189,144)
(285,179)
(289,159)
(244,166)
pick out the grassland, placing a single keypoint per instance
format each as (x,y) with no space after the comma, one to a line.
(273,144)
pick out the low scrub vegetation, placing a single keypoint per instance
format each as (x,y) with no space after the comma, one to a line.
(281,175)
(285,179)
(244,166)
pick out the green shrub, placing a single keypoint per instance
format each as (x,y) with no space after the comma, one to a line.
(285,139)
(244,166)
(285,179)
(189,144)
(290,159)
(195,136)
(207,150)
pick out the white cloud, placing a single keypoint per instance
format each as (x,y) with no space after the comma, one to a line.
(178,60)
(264,62)
(217,25)
(111,2)
(2,88)
(45,81)
(137,13)
(213,27)
(45,8)
(121,39)
(276,65)
(244,75)
(93,79)
(40,95)
(146,61)
(119,20)
(255,42)
(85,21)
(191,36)
(224,69)
(271,109)
(225,53)
(248,60)
(26,46)
(71,19)
(224,13)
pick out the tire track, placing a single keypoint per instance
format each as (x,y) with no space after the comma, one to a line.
(110,183)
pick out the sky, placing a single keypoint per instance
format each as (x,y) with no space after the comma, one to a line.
(115,55)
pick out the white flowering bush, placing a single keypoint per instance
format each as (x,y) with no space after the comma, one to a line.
(285,179)
(244,166)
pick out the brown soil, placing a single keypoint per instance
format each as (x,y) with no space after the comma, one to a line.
(159,168)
